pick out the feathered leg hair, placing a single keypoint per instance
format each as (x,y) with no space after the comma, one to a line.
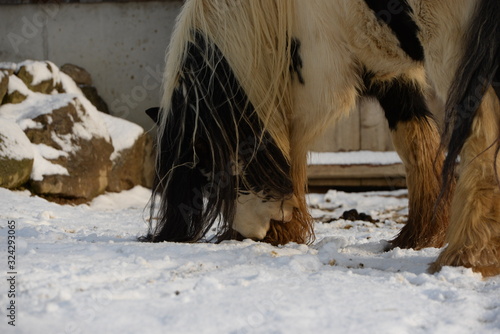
(472,130)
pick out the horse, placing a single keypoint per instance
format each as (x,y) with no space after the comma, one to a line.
(250,84)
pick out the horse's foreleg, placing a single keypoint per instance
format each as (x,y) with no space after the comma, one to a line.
(474,234)
(416,139)
(417,143)
(300,228)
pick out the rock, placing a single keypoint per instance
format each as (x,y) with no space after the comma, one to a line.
(77,151)
(16,92)
(126,172)
(91,94)
(84,80)
(4,84)
(16,155)
(129,142)
(354,215)
(79,75)
(64,138)
(14,98)
(133,166)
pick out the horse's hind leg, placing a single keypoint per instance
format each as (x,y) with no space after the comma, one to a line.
(474,234)
(416,139)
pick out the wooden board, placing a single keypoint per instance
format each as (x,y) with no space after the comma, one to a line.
(356,175)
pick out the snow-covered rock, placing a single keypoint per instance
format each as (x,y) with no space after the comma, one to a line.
(40,76)
(72,147)
(16,155)
(77,151)
(85,156)
(4,83)
(129,141)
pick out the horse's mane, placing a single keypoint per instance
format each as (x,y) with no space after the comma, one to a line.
(254,37)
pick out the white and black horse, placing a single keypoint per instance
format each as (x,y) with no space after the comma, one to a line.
(250,84)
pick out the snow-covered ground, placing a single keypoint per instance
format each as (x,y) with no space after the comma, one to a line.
(81,270)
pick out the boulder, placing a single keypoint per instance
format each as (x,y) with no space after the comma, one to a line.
(129,142)
(93,96)
(126,172)
(79,75)
(16,155)
(84,80)
(77,152)
(64,139)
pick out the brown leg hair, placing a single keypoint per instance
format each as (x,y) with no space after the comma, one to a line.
(416,138)
(301,228)
(417,143)
(474,234)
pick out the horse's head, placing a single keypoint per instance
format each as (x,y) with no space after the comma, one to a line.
(254,214)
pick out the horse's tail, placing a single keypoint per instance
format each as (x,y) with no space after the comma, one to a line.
(476,72)
(223,110)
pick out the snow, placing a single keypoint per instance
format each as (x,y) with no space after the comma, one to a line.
(93,120)
(8,65)
(81,270)
(13,142)
(354,158)
(34,106)
(123,133)
(42,166)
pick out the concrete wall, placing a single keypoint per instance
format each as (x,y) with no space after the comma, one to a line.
(121,44)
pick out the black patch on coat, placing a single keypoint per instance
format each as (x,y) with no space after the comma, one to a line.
(296,61)
(397,14)
(401,100)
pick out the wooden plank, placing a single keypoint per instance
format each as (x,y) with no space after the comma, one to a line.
(358,183)
(355,171)
(357,175)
